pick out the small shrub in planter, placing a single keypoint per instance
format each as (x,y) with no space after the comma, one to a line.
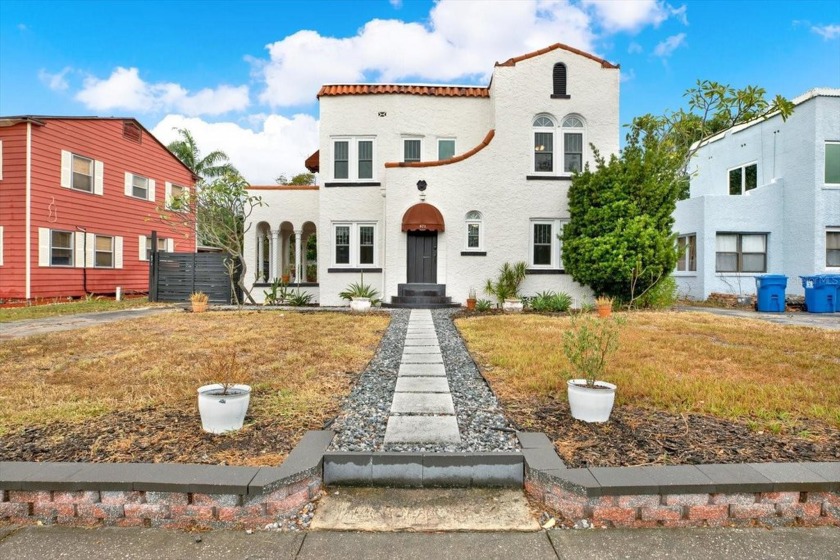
(483,305)
(360,295)
(506,286)
(222,406)
(199,301)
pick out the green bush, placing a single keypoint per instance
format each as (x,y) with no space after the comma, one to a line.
(551,302)
(299,298)
(483,305)
(662,296)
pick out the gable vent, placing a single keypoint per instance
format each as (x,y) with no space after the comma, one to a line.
(132,132)
(560,79)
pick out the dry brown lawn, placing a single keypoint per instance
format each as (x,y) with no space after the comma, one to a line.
(770,376)
(299,365)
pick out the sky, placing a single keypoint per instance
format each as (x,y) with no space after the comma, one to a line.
(243,76)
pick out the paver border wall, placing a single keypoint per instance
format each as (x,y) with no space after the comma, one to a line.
(212,496)
(162,495)
(712,495)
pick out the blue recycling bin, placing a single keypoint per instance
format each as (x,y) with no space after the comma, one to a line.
(771,292)
(821,293)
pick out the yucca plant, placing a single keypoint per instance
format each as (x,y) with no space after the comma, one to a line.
(507,284)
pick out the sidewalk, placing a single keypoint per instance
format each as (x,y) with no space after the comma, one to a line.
(829,321)
(157,544)
(29,327)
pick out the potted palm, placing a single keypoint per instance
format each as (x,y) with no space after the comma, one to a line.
(506,287)
(222,406)
(360,295)
(588,344)
(199,302)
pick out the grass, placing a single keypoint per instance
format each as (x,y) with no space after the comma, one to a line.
(772,376)
(9,314)
(299,365)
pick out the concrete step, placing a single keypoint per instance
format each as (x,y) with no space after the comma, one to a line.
(421,289)
(421,305)
(421,299)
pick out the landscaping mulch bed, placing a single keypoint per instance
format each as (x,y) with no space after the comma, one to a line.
(151,436)
(635,437)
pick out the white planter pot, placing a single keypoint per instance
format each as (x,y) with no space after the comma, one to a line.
(223,413)
(360,304)
(512,305)
(588,404)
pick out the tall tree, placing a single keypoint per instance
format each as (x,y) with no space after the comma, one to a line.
(299,179)
(619,240)
(213,165)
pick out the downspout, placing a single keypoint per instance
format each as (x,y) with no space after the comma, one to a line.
(28,211)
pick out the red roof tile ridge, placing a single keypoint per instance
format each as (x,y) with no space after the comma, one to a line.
(555,46)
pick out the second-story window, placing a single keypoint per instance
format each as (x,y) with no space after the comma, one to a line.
(81,173)
(137,186)
(411,149)
(543,145)
(572,144)
(341,165)
(365,159)
(82,177)
(743,178)
(353,159)
(446,148)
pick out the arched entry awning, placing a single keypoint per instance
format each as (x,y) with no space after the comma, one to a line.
(422,217)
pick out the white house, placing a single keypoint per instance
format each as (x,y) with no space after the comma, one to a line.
(765,198)
(440,185)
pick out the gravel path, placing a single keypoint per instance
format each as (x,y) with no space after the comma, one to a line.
(360,426)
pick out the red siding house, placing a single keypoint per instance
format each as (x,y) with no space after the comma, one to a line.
(78,200)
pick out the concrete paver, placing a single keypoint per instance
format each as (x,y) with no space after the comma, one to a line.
(422,403)
(422,429)
(421,350)
(422,370)
(423,341)
(422,385)
(425,358)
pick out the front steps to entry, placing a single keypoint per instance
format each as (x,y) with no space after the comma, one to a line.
(421,296)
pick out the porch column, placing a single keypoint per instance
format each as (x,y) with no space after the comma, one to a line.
(275,255)
(298,235)
(304,243)
(260,256)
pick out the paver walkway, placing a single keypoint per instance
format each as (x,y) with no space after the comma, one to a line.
(422,410)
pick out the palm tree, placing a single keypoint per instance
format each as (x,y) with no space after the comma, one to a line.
(213,165)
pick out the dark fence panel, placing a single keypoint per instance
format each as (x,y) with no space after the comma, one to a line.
(174,276)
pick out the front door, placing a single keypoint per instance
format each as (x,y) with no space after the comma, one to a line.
(422,257)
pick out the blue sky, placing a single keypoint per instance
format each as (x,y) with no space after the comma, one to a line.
(243,75)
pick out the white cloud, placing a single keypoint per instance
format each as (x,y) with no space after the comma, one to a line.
(460,42)
(667,47)
(827,32)
(280,145)
(124,89)
(634,48)
(628,75)
(630,15)
(57,81)
(396,4)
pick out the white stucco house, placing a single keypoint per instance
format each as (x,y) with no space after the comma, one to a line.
(436,186)
(765,199)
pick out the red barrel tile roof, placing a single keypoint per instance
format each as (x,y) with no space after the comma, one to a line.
(404,89)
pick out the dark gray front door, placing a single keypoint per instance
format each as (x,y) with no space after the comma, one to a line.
(422,257)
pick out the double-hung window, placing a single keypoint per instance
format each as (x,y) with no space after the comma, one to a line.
(743,178)
(145,245)
(572,144)
(832,164)
(82,176)
(176,197)
(741,252)
(81,173)
(104,255)
(687,253)
(545,244)
(412,148)
(61,248)
(354,244)
(475,235)
(138,186)
(353,159)
(549,139)
(832,247)
(543,145)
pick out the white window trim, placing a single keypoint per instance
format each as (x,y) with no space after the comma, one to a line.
(67,173)
(556,250)
(825,155)
(558,132)
(355,239)
(129,187)
(447,139)
(480,222)
(688,271)
(46,248)
(144,242)
(406,138)
(353,158)
(827,231)
(740,253)
(743,168)
(112,252)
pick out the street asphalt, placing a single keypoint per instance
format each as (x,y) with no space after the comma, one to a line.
(159,544)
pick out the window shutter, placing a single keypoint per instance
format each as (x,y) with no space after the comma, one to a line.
(66,167)
(141,245)
(98,177)
(559,79)
(128,178)
(152,190)
(167,193)
(79,250)
(43,247)
(170,245)
(90,249)
(118,251)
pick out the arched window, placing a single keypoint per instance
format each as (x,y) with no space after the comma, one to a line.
(544,144)
(559,80)
(572,144)
(475,233)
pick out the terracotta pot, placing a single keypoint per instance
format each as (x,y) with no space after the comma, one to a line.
(199,306)
(604,309)
(284,278)
(471,304)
